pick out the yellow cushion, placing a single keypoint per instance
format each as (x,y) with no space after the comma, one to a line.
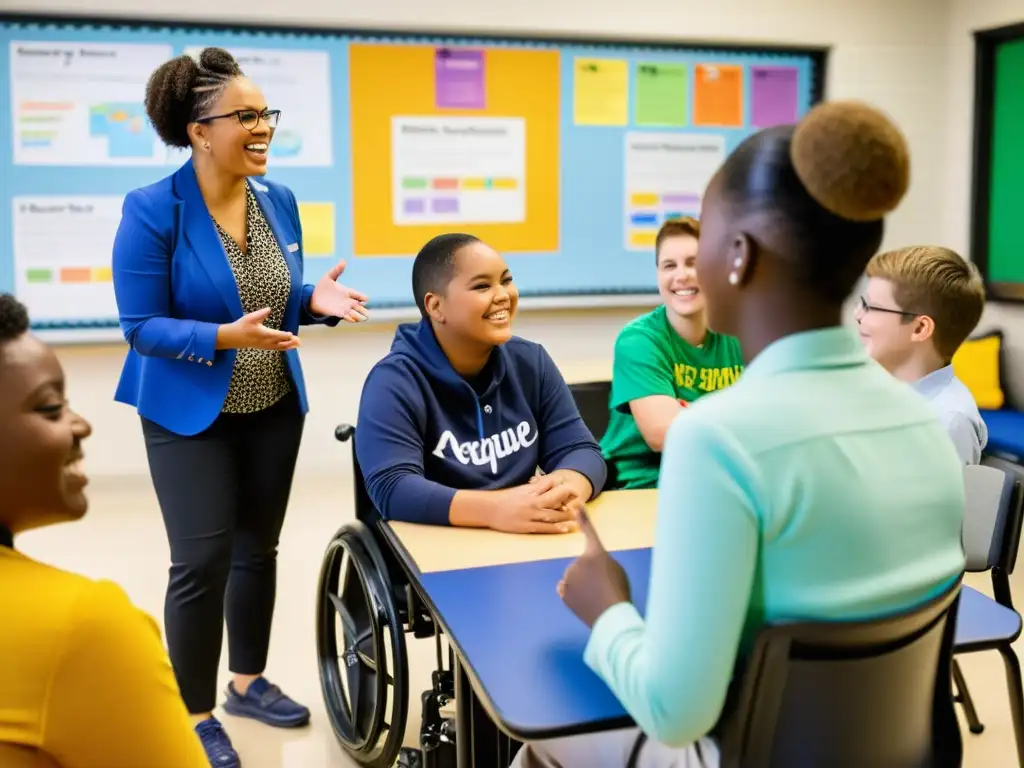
(976,364)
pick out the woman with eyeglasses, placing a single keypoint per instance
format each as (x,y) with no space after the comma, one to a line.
(208,276)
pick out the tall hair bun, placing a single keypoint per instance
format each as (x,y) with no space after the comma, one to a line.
(219,62)
(852,160)
(171,91)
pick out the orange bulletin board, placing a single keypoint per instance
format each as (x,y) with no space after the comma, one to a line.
(389,80)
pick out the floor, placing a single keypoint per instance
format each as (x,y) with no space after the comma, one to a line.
(122,539)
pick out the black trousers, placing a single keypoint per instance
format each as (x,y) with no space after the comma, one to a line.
(223,495)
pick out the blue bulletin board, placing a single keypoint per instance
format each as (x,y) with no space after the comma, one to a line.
(566,155)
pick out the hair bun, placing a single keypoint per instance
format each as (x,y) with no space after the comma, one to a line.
(219,62)
(852,160)
(169,99)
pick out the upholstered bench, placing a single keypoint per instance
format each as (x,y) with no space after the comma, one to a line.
(980,363)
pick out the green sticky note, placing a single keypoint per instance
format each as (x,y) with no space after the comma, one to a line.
(661,91)
(37,275)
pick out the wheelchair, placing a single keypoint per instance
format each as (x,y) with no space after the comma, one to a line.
(366,605)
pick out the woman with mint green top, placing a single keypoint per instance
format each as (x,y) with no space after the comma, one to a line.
(815,488)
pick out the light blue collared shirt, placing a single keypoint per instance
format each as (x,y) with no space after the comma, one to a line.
(818,487)
(957,411)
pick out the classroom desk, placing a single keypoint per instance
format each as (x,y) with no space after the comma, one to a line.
(519,650)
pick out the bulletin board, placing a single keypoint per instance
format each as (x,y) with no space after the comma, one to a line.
(997,238)
(565,155)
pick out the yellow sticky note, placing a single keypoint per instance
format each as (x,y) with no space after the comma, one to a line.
(317,228)
(102,274)
(641,239)
(601,92)
(644,198)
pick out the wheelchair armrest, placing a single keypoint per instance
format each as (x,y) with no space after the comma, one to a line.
(343,432)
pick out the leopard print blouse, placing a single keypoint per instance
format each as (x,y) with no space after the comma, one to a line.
(260,376)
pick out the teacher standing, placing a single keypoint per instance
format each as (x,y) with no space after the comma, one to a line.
(208,278)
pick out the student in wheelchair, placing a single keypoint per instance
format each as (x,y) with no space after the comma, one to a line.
(456,420)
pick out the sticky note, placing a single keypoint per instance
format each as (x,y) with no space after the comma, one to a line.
(39,275)
(317,228)
(600,92)
(102,275)
(641,199)
(75,275)
(661,94)
(459,79)
(639,238)
(774,96)
(718,95)
(644,219)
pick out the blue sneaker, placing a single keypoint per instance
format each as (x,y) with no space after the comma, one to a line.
(217,744)
(266,703)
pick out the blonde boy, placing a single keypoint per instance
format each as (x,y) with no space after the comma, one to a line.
(919,306)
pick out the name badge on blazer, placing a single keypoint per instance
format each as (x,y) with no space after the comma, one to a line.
(293,247)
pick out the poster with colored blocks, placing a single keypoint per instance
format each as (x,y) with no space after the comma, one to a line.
(454,137)
(62,255)
(458,170)
(666,175)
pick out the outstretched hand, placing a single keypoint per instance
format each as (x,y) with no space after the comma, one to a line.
(595,581)
(332,299)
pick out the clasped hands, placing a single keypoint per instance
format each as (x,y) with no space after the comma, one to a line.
(546,504)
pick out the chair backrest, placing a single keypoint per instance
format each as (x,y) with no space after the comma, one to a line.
(1015,513)
(847,694)
(992,506)
(365,511)
(592,402)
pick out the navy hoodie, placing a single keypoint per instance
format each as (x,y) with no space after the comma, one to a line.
(424,432)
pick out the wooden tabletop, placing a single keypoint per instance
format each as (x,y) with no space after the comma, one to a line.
(624,520)
(586,371)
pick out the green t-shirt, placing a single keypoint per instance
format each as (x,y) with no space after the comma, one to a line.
(652,359)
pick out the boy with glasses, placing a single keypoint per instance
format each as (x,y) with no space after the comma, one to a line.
(919,306)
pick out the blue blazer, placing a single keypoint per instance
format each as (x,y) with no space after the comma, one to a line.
(174,287)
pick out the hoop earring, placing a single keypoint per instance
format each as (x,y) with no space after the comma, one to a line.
(206,146)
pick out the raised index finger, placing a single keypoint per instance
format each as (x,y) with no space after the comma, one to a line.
(589,532)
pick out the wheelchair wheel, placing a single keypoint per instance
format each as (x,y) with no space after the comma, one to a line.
(364,671)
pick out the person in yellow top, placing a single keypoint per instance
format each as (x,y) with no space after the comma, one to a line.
(85,681)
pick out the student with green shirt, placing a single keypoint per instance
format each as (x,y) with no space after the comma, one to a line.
(664,361)
(817,488)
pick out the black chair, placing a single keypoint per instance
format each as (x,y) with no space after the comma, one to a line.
(847,695)
(365,607)
(592,398)
(992,530)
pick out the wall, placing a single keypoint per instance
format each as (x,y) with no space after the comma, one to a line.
(888,52)
(966,17)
